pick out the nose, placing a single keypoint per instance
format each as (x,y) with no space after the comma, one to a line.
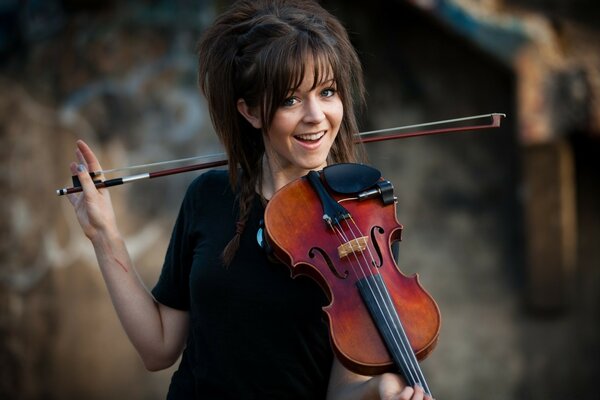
(313,111)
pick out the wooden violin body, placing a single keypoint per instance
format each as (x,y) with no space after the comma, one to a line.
(342,257)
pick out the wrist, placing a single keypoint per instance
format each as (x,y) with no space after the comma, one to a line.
(105,236)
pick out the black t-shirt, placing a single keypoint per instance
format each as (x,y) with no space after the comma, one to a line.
(255,333)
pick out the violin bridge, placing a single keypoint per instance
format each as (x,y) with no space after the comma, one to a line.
(353,246)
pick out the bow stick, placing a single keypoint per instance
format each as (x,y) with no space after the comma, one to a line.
(363,137)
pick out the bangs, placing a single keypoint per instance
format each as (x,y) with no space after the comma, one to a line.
(289,66)
(322,68)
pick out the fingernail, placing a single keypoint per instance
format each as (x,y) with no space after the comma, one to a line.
(81,168)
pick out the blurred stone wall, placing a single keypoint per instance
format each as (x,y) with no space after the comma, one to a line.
(122,76)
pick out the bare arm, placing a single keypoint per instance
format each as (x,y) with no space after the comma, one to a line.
(344,384)
(157,332)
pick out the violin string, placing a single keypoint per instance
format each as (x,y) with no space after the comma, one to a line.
(413,362)
(409,370)
(398,332)
(342,238)
(399,338)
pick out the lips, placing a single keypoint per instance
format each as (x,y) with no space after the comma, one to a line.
(310,137)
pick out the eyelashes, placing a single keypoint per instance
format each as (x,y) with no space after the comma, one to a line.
(325,93)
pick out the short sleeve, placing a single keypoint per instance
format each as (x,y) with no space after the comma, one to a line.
(172,288)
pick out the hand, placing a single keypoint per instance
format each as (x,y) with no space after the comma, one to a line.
(93,207)
(393,387)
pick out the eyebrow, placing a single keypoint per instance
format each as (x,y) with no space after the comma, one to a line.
(325,82)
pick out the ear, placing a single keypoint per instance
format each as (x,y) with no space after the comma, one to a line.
(250,113)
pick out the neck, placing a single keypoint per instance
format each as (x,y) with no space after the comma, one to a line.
(274,177)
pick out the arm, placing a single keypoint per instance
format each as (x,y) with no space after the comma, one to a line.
(157,332)
(344,384)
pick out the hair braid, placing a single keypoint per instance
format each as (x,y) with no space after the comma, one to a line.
(245,199)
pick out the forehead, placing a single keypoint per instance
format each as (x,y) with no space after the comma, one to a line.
(314,71)
(299,65)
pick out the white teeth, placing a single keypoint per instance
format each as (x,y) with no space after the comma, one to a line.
(312,136)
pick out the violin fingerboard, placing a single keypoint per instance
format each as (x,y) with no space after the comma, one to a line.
(381,308)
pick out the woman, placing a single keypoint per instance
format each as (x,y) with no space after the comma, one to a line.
(281,79)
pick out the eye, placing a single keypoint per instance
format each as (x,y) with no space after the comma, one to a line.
(328,92)
(290,101)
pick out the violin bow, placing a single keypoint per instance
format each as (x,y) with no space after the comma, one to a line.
(363,137)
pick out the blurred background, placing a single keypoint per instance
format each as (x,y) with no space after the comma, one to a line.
(502,226)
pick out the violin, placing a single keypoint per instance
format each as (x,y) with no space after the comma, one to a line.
(337,227)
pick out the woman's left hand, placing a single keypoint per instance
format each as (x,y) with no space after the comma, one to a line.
(392,387)
(345,384)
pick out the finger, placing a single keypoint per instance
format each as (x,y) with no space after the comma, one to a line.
(80,158)
(406,393)
(88,156)
(73,197)
(85,179)
(419,393)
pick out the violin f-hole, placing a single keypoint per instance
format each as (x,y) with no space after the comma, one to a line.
(377,229)
(328,261)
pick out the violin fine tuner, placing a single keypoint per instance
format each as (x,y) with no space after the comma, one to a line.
(385,189)
(365,182)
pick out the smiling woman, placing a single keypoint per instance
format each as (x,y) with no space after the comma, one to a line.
(301,133)
(281,79)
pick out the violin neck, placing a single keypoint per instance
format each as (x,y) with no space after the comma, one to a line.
(377,299)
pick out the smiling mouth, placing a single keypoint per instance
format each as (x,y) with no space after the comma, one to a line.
(310,137)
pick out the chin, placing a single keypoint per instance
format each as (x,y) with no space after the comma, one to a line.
(313,166)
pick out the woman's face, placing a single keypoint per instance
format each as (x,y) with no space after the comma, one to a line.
(304,128)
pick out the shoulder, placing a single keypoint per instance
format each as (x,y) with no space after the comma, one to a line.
(206,193)
(211,182)
(212,178)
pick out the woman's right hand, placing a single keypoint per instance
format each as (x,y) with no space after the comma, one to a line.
(157,332)
(93,206)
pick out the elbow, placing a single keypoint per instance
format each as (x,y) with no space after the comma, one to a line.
(155,367)
(154,364)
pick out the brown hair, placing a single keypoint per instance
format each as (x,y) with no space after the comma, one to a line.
(258,51)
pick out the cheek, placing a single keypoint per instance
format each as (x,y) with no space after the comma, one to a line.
(337,112)
(279,131)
